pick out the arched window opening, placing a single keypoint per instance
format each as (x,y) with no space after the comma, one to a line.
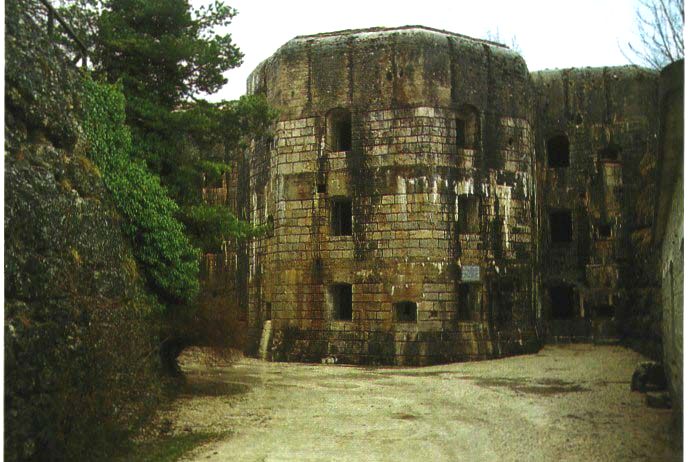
(339,130)
(467,125)
(558,151)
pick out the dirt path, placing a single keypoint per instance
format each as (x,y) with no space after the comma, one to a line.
(567,403)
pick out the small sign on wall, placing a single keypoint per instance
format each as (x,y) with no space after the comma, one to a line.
(470,274)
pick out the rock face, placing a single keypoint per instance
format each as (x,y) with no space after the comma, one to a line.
(78,368)
(431,200)
(649,375)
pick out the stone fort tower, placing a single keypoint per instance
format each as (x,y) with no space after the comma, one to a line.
(399,190)
(430,200)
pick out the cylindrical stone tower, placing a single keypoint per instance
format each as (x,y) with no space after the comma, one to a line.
(399,194)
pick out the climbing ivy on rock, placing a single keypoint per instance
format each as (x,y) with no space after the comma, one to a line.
(161,247)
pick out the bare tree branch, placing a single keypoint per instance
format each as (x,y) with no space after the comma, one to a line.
(660,33)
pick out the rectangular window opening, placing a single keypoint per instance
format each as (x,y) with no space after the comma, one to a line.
(558,151)
(460,133)
(469,214)
(561,227)
(342,222)
(604,231)
(562,302)
(342,302)
(405,312)
(344,135)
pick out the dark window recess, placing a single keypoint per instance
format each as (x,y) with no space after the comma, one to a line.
(603,311)
(339,123)
(341,302)
(405,312)
(604,231)
(341,217)
(322,188)
(562,302)
(611,152)
(561,228)
(460,133)
(268,311)
(469,214)
(469,302)
(467,128)
(558,151)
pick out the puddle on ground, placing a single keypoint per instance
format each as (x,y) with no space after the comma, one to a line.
(542,387)
(404,416)
(411,373)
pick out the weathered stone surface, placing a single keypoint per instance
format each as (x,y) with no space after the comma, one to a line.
(667,233)
(439,177)
(448,161)
(608,117)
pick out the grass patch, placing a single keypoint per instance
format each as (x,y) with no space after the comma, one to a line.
(169,449)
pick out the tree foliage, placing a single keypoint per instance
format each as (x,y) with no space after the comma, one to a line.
(660,33)
(164,51)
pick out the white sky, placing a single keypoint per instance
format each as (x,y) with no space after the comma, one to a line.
(550,33)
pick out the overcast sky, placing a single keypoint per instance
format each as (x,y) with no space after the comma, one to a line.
(549,33)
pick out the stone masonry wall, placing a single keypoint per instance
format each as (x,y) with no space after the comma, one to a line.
(411,181)
(608,117)
(669,229)
(456,201)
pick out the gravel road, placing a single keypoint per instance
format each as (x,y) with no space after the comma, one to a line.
(566,403)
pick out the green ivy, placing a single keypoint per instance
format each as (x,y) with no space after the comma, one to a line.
(162,249)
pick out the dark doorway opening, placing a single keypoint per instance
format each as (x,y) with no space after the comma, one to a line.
(562,302)
(342,302)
